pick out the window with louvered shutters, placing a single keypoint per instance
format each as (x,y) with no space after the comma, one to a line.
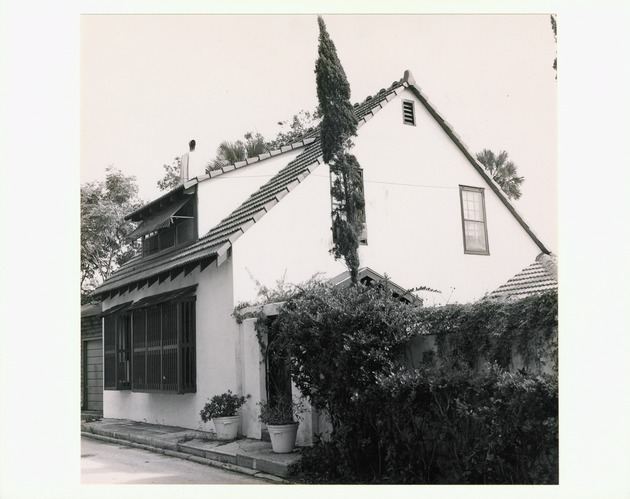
(163,343)
(409,117)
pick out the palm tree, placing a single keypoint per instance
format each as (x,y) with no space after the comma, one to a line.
(229,153)
(502,171)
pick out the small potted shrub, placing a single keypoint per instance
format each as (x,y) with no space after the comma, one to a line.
(282,417)
(223,411)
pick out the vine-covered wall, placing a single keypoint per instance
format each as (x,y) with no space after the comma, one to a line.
(516,335)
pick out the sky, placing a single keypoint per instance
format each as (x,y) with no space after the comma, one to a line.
(150,83)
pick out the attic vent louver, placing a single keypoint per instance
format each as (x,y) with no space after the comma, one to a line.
(409,117)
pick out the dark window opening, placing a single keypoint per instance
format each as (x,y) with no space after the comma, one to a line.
(409,117)
(178,229)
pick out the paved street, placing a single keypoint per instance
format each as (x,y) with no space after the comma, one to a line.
(103,462)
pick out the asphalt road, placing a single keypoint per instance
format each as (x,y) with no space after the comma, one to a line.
(106,463)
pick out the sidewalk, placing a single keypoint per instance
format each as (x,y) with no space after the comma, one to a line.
(246,455)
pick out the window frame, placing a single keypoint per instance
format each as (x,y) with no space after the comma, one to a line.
(484,222)
(146,349)
(116,353)
(409,115)
(157,238)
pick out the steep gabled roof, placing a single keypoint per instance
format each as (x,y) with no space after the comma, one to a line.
(539,277)
(217,242)
(448,129)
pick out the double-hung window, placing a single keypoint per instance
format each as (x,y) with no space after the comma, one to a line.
(474,223)
(150,344)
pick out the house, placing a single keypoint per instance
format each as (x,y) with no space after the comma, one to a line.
(91,358)
(433,218)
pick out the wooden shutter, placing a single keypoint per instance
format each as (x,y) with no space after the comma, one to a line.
(139,380)
(188,371)
(109,353)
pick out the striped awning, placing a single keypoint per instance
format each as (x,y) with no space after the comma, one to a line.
(158,221)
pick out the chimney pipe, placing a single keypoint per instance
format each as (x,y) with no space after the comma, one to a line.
(185,162)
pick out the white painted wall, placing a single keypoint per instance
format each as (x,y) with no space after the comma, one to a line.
(219,196)
(412,176)
(294,237)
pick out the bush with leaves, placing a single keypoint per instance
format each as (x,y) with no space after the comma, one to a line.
(340,340)
(438,426)
(453,422)
(221,406)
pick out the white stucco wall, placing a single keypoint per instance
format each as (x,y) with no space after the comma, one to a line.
(412,177)
(218,354)
(219,196)
(415,173)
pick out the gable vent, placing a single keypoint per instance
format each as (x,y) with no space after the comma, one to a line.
(409,117)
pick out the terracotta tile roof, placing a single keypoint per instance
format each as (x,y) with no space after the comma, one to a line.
(539,277)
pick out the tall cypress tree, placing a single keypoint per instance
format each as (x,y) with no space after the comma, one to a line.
(339,124)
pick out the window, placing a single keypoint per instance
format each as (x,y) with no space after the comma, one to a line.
(117,348)
(474,220)
(337,209)
(150,344)
(179,228)
(409,117)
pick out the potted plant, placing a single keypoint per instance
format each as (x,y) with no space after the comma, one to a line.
(282,417)
(223,411)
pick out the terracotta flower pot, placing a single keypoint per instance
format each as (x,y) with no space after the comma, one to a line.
(227,427)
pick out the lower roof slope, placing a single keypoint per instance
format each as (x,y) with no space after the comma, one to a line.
(539,277)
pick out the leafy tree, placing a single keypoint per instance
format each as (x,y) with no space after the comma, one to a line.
(502,171)
(339,124)
(171,177)
(293,130)
(103,229)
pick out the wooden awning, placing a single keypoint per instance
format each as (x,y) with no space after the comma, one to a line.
(158,221)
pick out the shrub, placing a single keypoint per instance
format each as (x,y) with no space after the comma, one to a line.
(281,411)
(439,426)
(221,406)
(453,420)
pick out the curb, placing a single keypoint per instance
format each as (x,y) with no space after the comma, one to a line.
(189,457)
